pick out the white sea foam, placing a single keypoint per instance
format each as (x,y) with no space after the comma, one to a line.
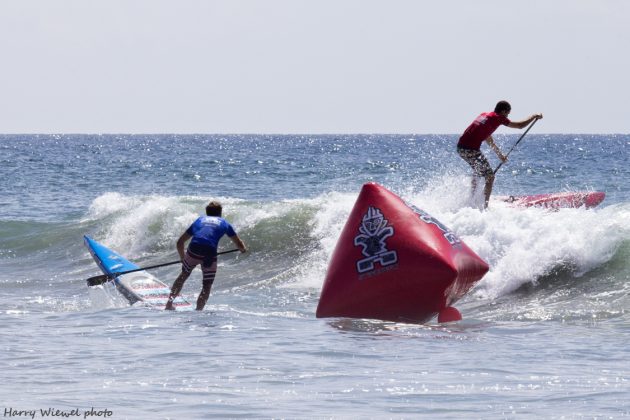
(522,245)
(139,224)
(326,227)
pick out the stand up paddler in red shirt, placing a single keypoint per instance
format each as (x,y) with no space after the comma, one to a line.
(481,130)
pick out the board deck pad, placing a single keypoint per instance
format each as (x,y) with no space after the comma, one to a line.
(139,287)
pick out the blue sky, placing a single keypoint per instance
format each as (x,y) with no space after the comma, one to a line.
(292,66)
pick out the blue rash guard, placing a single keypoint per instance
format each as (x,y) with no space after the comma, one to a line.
(206,232)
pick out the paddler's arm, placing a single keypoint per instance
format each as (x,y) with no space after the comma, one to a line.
(180,244)
(239,243)
(524,123)
(496,149)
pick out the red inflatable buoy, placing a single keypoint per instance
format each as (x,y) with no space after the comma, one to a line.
(395,262)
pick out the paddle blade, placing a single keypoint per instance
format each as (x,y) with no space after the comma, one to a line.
(98,280)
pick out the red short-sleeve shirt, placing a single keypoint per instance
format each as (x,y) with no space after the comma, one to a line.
(480,129)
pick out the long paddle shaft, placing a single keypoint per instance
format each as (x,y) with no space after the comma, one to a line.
(516,144)
(96,280)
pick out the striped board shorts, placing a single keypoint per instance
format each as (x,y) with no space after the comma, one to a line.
(208,265)
(478,162)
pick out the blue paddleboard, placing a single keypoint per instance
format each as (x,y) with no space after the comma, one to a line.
(139,286)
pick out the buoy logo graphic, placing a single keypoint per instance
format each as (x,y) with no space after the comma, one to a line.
(373,232)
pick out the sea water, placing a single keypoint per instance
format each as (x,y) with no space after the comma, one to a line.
(545,333)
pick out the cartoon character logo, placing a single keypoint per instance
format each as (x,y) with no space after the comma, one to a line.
(373,232)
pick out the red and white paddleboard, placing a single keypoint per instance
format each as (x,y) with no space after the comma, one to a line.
(395,262)
(586,199)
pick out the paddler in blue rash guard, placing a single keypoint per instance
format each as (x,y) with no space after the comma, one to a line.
(205,234)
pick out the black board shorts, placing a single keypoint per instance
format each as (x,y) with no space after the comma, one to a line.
(476,160)
(207,255)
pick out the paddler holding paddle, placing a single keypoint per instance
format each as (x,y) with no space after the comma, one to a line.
(205,234)
(481,130)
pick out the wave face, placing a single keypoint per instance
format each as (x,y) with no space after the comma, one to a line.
(291,241)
